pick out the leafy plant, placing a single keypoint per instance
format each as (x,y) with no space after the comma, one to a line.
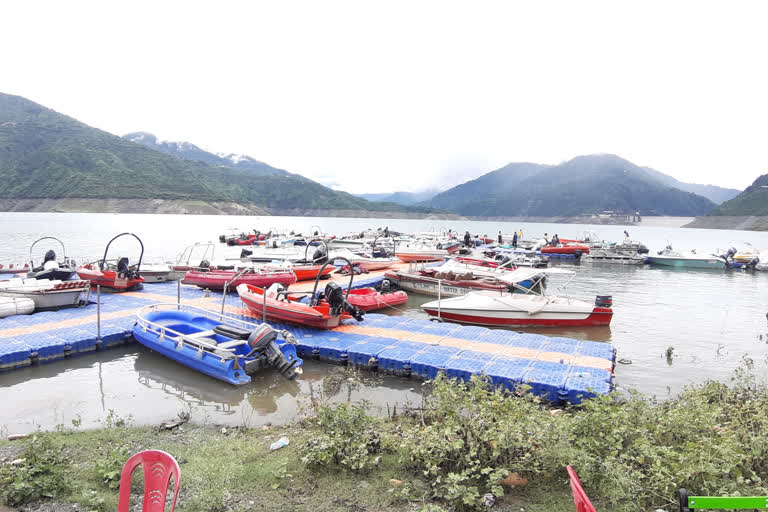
(350,439)
(108,468)
(42,474)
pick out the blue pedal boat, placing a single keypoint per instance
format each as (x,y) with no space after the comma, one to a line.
(220,346)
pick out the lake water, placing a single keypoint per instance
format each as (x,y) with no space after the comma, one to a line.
(712,319)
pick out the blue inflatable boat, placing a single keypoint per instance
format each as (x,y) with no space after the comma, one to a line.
(217,345)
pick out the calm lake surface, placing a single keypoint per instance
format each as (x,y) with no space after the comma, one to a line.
(712,319)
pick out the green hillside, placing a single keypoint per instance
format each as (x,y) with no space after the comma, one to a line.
(44,154)
(584,185)
(753,201)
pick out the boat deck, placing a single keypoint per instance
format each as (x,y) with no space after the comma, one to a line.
(559,369)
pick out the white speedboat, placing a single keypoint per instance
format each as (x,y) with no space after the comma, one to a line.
(517,309)
(363,260)
(160,272)
(46,293)
(691,259)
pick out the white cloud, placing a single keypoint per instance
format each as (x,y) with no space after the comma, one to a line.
(403,95)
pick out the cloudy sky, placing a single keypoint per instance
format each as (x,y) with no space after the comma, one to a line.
(377,96)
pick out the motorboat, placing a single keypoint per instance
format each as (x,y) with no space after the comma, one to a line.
(518,310)
(370,299)
(160,272)
(322,311)
(220,346)
(51,267)
(48,294)
(365,260)
(13,268)
(421,253)
(615,254)
(221,279)
(573,248)
(114,275)
(10,306)
(691,259)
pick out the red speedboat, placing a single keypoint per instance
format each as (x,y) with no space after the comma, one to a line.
(218,279)
(307,272)
(368,299)
(114,275)
(568,248)
(322,311)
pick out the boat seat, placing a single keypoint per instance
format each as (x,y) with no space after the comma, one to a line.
(232,332)
(233,343)
(201,334)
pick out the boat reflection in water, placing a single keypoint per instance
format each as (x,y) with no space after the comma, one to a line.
(270,398)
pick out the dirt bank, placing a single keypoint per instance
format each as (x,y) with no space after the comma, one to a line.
(749,223)
(191,207)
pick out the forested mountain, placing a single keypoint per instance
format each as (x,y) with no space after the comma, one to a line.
(44,154)
(753,201)
(584,185)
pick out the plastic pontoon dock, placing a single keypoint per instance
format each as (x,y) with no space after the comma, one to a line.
(559,369)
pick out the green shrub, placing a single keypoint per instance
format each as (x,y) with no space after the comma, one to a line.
(42,475)
(350,439)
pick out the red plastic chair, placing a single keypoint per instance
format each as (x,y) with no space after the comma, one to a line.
(580,498)
(158,468)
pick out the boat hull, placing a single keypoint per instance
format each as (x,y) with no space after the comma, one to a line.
(686,262)
(443,288)
(307,272)
(598,316)
(286,311)
(409,257)
(109,279)
(60,295)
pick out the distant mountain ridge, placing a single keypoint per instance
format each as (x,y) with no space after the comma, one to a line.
(583,185)
(714,193)
(753,201)
(404,198)
(47,155)
(189,151)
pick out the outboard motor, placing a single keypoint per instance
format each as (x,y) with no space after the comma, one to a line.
(122,268)
(262,342)
(49,256)
(244,253)
(335,297)
(222,238)
(641,249)
(386,286)
(320,256)
(604,301)
(205,264)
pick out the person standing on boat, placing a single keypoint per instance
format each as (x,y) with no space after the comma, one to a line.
(555,240)
(499,237)
(520,234)
(514,240)
(467,239)
(546,238)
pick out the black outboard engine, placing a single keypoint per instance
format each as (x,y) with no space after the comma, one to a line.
(244,253)
(641,249)
(604,301)
(335,297)
(122,268)
(320,256)
(222,238)
(205,264)
(262,342)
(386,286)
(49,256)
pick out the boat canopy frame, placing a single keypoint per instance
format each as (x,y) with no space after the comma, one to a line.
(103,261)
(63,249)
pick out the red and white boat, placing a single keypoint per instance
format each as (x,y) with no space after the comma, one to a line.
(517,310)
(21,268)
(367,262)
(218,279)
(431,281)
(369,299)
(307,272)
(114,275)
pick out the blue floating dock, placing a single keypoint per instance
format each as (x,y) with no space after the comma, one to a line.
(558,369)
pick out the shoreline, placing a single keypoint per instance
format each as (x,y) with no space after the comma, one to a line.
(742,222)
